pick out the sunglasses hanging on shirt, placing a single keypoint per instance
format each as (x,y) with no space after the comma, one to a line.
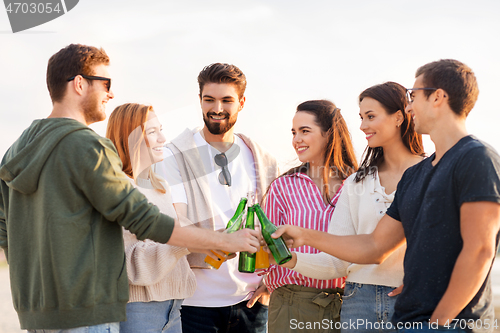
(224,175)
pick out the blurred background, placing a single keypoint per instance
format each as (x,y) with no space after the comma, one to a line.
(290,51)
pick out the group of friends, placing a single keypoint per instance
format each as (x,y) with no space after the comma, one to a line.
(110,234)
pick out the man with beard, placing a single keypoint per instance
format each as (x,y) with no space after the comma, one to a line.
(64,200)
(210,170)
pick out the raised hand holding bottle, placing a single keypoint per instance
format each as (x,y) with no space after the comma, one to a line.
(278,248)
(233,225)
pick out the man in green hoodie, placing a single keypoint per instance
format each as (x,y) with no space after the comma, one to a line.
(64,200)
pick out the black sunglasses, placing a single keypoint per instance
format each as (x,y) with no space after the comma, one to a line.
(411,90)
(89,77)
(224,175)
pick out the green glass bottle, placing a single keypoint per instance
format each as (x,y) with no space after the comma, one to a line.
(246,262)
(239,210)
(277,246)
(233,225)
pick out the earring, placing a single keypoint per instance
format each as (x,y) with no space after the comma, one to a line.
(398,125)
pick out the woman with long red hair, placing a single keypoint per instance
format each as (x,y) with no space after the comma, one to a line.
(159,274)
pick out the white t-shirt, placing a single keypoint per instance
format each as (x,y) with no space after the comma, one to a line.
(225,286)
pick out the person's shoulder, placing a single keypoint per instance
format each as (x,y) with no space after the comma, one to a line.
(417,166)
(86,141)
(479,147)
(479,152)
(292,179)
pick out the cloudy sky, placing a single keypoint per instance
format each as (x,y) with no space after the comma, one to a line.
(290,51)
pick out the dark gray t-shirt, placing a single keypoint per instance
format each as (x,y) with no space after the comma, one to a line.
(427,202)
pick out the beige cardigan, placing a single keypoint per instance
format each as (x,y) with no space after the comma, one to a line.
(157,272)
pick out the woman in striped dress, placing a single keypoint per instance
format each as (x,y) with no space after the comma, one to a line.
(306,196)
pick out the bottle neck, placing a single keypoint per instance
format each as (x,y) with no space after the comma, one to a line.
(250,219)
(238,212)
(264,221)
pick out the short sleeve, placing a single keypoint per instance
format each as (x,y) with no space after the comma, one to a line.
(477,176)
(168,169)
(393,210)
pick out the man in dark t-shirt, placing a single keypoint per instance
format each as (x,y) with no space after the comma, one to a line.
(448,209)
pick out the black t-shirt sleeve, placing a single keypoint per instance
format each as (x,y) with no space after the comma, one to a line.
(478,176)
(393,210)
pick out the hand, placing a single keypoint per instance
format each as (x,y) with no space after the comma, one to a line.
(261,294)
(245,240)
(269,254)
(396,291)
(293,235)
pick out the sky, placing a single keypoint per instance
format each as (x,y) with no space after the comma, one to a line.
(290,51)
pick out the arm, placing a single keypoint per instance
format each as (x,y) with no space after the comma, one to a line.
(479,226)
(111,194)
(194,237)
(322,265)
(181,210)
(371,248)
(149,262)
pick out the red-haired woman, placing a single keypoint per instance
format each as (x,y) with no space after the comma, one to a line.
(159,274)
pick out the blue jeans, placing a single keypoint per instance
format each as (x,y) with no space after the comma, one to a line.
(367,308)
(153,317)
(102,328)
(237,318)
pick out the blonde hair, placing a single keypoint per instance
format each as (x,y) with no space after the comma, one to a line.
(126,130)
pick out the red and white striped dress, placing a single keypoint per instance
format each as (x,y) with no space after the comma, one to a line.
(296,200)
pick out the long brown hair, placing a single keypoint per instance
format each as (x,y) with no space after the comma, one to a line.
(392,96)
(122,122)
(339,153)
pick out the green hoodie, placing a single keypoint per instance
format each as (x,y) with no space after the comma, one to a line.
(63,201)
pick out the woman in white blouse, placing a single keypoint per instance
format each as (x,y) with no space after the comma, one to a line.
(393,146)
(159,274)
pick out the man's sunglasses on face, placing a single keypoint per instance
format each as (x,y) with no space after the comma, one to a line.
(100,78)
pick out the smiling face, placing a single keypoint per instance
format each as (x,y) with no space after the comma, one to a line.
(308,140)
(379,127)
(419,108)
(94,103)
(220,106)
(154,138)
